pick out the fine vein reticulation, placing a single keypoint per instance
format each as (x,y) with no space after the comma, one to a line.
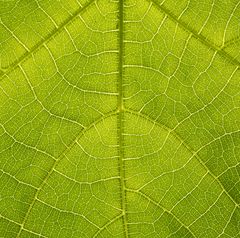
(119,118)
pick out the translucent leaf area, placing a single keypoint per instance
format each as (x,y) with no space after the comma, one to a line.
(120,118)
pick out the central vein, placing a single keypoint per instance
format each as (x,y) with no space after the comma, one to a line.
(120,117)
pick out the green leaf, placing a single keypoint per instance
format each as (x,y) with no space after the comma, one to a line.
(120,118)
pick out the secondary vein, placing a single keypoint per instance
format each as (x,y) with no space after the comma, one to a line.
(58,29)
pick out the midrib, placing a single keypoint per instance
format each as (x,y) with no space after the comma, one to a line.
(120,116)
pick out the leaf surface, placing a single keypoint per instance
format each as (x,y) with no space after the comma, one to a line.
(119,118)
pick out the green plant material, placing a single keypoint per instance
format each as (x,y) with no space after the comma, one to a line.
(120,118)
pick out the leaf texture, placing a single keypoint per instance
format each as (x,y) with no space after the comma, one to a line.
(120,118)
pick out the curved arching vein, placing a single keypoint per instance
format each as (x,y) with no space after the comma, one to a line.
(194,153)
(57,160)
